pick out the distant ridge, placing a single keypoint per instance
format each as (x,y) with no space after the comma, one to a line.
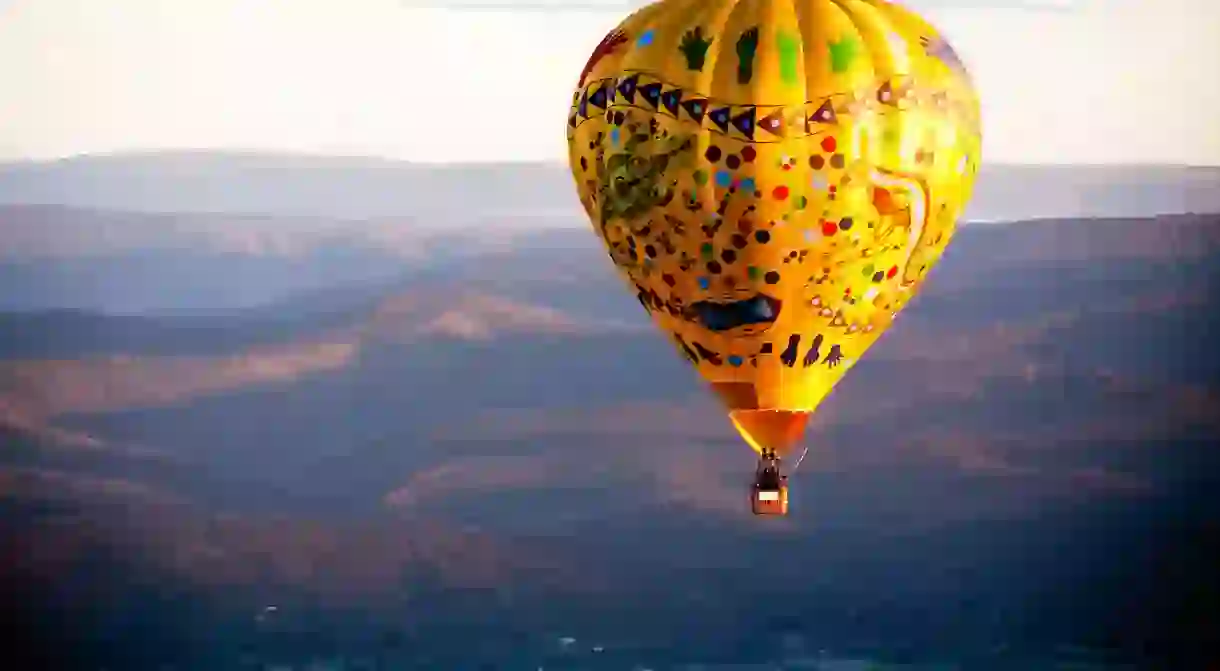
(358,187)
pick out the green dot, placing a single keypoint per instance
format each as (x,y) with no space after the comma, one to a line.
(753,272)
(868,270)
(801,202)
(707,250)
(700,177)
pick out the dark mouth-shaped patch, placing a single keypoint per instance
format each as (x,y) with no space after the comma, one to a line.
(717,316)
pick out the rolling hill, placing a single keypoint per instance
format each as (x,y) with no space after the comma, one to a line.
(501,449)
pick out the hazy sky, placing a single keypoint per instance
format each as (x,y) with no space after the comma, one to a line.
(437,80)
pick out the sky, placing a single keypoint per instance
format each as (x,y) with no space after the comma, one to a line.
(1062,81)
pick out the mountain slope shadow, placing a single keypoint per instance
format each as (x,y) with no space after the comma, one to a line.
(1027,460)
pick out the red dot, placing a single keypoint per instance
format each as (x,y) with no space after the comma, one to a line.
(892,272)
(829,228)
(747,154)
(780,192)
(787,166)
(828,144)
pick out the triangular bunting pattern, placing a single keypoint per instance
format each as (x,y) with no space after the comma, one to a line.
(773,123)
(744,122)
(824,114)
(627,86)
(598,97)
(652,93)
(696,108)
(671,99)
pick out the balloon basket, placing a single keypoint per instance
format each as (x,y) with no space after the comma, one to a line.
(770,501)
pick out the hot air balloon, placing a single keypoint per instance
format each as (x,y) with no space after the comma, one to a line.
(774,179)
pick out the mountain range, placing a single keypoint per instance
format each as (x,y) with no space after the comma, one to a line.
(508,195)
(466,460)
(206,232)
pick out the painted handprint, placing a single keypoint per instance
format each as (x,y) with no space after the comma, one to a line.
(788,356)
(694,47)
(811,357)
(834,356)
(747,48)
(789,47)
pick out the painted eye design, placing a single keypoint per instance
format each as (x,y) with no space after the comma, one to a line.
(757,310)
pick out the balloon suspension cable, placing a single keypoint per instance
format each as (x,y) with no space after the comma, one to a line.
(799,460)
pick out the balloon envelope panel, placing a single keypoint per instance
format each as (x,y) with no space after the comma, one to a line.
(774,179)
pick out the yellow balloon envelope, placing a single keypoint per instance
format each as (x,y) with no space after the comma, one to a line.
(774,179)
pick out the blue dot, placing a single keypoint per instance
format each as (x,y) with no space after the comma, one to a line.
(724,179)
(645,38)
(615,135)
(734,360)
(704,283)
(747,184)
